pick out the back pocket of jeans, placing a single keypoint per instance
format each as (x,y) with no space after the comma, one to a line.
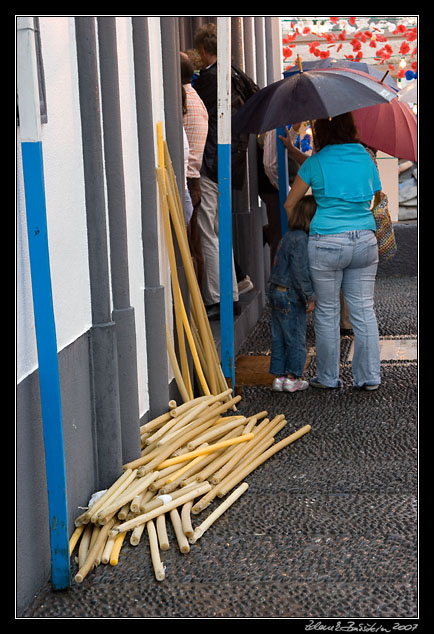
(328,256)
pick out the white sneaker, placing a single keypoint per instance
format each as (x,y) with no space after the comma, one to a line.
(278,383)
(294,385)
(245,285)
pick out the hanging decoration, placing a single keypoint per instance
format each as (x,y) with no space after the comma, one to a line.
(333,32)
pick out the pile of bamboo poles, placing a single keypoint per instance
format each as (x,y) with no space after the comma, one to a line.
(192,454)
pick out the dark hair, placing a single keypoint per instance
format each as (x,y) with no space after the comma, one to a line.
(187,69)
(302,213)
(206,37)
(339,129)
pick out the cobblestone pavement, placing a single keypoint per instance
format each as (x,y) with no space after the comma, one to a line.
(328,527)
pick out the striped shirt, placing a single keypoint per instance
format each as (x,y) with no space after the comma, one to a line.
(196,128)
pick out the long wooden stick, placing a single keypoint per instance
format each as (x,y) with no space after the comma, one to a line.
(243,473)
(186,519)
(195,294)
(75,537)
(174,278)
(175,366)
(193,349)
(155,423)
(184,407)
(265,428)
(114,555)
(208,449)
(160,524)
(102,536)
(182,540)
(84,518)
(199,531)
(139,486)
(155,555)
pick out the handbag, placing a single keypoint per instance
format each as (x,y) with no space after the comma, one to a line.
(385,234)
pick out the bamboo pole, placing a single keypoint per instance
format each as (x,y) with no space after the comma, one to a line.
(187,417)
(115,493)
(184,407)
(102,536)
(114,555)
(200,530)
(141,498)
(155,423)
(215,432)
(200,425)
(105,559)
(164,498)
(193,349)
(175,366)
(155,555)
(83,548)
(145,517)
(175,281)
(127,497)
(182,540)
(186,519)
(216,490)
(162,187)
(152,459)
(195,294)
(84,518)
(244,472)
(162,431)
(217,460)
(175,446)
(262,430)
(136,535)
(74,538)
(209,448)
(178,474)
(163,540)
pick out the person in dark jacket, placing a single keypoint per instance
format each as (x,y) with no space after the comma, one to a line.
(291,296)
(206,87)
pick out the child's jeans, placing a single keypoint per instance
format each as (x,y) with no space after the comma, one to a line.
(288,331)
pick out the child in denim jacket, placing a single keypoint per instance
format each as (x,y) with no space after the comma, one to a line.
(291,296)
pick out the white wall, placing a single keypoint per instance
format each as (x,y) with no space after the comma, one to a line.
(64,189)
(133,198)
(158,115)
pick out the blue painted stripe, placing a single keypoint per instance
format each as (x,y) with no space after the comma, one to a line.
(282,173)
(225,261)
(49,382)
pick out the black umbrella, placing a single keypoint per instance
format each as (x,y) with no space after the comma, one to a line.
(314,94)
(332,62)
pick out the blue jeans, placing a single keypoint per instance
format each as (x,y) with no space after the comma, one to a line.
(348,260)
(288,332)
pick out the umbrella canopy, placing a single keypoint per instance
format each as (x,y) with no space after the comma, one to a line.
(315,94)
(389,127)
(332,62)
(409,92)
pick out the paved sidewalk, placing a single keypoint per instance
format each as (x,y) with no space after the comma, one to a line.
(328,526)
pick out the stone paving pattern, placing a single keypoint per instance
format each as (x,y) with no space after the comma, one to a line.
(328,527)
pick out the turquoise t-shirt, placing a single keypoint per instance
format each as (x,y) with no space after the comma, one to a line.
(344,197)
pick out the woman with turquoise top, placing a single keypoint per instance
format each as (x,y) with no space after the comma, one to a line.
(342,249)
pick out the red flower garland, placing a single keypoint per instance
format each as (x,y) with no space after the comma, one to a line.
(358,38)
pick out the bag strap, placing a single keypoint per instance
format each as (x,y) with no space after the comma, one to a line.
(377,200)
